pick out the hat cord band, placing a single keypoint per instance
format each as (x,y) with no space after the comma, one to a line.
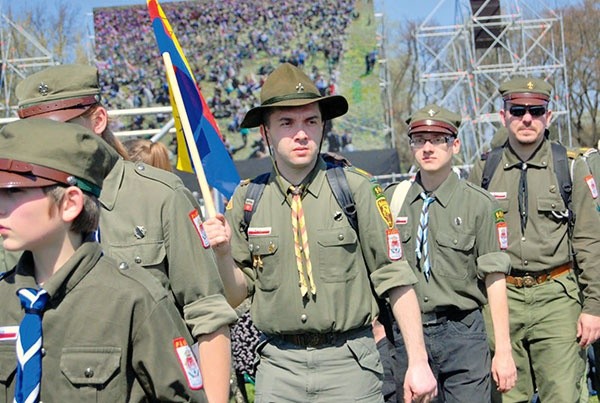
(288,97)
(60,104)
(23,168)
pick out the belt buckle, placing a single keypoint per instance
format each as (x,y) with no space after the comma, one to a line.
(529,281)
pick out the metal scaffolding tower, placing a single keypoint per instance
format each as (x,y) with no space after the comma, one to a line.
(384,81)
(21,54)
(463,62)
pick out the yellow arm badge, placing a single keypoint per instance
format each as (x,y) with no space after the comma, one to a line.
(385,211)
(499,216)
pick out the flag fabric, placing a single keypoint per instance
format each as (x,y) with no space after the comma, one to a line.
(218,166)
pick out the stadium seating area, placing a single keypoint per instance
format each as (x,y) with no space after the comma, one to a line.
(231,46)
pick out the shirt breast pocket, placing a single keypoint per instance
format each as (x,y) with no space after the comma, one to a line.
(452,256)
(552,212)
(337,254)
(267,264)
(90,370)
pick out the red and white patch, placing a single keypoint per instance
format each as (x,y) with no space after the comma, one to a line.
(499,195)
(592,185)
(188,362)
(259,231)
(195,217)
(401,220)
(394,244)
(502,230)
(8,333)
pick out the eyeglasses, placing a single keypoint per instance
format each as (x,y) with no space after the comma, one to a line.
(419,142)
(520,110)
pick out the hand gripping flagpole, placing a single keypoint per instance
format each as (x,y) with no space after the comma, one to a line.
(189,137)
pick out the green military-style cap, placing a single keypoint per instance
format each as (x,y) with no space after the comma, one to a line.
(434,119)
(42,152)
(287,85)
(61,92)
(525,91)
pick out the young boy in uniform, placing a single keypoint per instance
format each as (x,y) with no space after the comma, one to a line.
(76,326)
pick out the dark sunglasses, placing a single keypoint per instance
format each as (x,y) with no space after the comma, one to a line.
(520,110)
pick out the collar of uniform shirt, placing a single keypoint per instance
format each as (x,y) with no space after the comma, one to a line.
(539,159)
(443,194)
(312,183)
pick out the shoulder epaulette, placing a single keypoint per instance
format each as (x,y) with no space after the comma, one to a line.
(156,174)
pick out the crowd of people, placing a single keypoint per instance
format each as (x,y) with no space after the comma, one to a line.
(220,42)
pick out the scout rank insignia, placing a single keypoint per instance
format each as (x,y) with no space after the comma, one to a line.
(501,229)
(394,244)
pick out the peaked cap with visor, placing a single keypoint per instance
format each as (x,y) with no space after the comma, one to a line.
(525,91)
(434,119)
(61,92)
(287,85)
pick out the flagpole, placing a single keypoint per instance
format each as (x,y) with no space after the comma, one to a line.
(189,138)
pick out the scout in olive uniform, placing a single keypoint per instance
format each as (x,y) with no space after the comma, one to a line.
(310,289)
(109,331)
(148,217)
(459,264)
(550,326)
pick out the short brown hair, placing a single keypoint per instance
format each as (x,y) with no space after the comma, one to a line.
(87,221)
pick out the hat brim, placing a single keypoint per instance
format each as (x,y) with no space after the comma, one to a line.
(332,106)
(15,180)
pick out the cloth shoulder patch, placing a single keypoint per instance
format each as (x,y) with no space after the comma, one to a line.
(501,229)
(384,210)
(195,217)
(394,244)
(189,364)
(592,186)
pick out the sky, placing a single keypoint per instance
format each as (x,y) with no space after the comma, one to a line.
(394,10)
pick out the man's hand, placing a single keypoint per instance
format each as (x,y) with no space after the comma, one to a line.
(218,232)
(504,371)
(419,383)
(588,329)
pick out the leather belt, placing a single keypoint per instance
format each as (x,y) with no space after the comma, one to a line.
(522,279)
(320,339)
(438,318)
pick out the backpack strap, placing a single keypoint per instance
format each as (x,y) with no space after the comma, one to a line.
(492,160)
(561,170)
(398,197)
(342,193)
(253,194)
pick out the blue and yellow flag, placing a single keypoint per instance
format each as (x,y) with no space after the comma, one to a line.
(217,163)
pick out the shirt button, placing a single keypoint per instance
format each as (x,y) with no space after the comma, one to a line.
(426,299)
(303,318)
(43,351)
(88,372)
(523,239)
(525,262)
(341,237)
(553,205)
(455,241)
(138,259)
(123,266)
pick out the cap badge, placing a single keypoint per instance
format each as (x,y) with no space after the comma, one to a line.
(431,112)
(299,88)
(43,88)
(530,85)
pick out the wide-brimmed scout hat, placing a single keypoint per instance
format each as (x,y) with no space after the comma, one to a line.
(525,91)
(42,152)
(62,92)
(287,85)
(434,119)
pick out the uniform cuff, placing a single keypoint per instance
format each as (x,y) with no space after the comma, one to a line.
(397,274)
(208,314)
(495,262)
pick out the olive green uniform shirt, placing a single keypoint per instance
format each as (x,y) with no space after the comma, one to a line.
(108,333)
(8,260)
(148,218)
(462,239)
(545,245)
(343,263)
